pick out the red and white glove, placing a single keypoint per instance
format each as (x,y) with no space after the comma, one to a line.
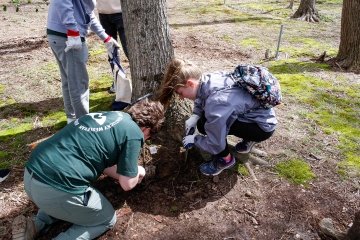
(110,45)
(73,40)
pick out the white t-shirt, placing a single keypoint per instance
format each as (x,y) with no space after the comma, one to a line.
(108,6)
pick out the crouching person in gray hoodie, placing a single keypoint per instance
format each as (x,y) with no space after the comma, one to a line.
(219,110)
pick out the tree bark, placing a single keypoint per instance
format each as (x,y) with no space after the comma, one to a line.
(148,40)
(354,232)
(349,49)
(291,4)
(307,11)
(150,50)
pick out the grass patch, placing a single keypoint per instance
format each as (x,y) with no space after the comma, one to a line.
(308,47)
(296,171)
(251,42)
(335,106)
(242,170)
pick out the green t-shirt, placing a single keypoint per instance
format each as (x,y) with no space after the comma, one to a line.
(77,155)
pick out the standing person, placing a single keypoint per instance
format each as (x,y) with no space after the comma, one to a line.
(60,170)
(219,110)
(110,16)
(67,26)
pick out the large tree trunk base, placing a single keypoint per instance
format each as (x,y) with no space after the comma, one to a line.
(308,16)
(344,64)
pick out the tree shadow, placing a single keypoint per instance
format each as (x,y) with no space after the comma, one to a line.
(231,20)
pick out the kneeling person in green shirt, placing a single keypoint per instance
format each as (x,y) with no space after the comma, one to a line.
(60,170)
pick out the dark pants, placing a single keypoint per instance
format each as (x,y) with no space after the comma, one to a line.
(114,25)
(246,131)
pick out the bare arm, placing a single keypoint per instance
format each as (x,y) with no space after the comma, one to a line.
(127,183)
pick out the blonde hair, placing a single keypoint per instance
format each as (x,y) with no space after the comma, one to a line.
(147,113)
(176,74)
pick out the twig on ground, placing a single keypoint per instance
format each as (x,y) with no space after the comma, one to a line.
(256,160)
(129,222)
(252,174)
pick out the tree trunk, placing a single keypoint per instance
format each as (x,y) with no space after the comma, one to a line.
(349,50)
(354,232)
(150,50)
(291,4)
(307,11)
(148,40)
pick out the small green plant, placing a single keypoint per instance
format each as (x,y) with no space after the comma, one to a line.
(241,169)
(296,171)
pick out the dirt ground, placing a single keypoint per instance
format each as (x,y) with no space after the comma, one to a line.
(183,204)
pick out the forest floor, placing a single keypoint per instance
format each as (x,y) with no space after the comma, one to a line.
(318,126)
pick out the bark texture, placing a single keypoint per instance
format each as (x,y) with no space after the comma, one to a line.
(150,50)
(354,232)
(349,50)
(307,11)
(148,40)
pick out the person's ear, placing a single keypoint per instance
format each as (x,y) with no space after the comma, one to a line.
(190,83)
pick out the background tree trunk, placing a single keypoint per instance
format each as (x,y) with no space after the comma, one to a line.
(307,11)
(148,41)
(291,4)
(349,50)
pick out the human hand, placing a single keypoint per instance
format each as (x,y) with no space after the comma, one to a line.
(73,40)
(191,123)
(142,173)
(111,44)
(188,141)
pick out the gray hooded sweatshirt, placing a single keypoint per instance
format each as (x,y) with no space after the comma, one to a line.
(222,105)
(77,15)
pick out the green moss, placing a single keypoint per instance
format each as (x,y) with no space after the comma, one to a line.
(57,118)
(335,106)
(242,170)
(296,171)
(300,46)
(2,88)
(227,38)
(251,42)
(14,127)
(3,155)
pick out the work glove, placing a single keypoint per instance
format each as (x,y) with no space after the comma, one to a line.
(142,173)
(191,123)
(188,141)
(73,40)
(110,45)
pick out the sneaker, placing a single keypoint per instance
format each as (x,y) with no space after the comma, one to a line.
(216,166)
(112,88)
(4,173)
(23,228)
(244,146)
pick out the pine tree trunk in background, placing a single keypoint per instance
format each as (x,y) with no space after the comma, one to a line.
(349,50)
(148,41)
(307,11)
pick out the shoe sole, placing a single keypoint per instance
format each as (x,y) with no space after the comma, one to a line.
(215,174)
(247,151)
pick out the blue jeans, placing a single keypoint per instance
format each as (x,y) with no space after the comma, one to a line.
(89,220)
(74,76)
(114,25)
